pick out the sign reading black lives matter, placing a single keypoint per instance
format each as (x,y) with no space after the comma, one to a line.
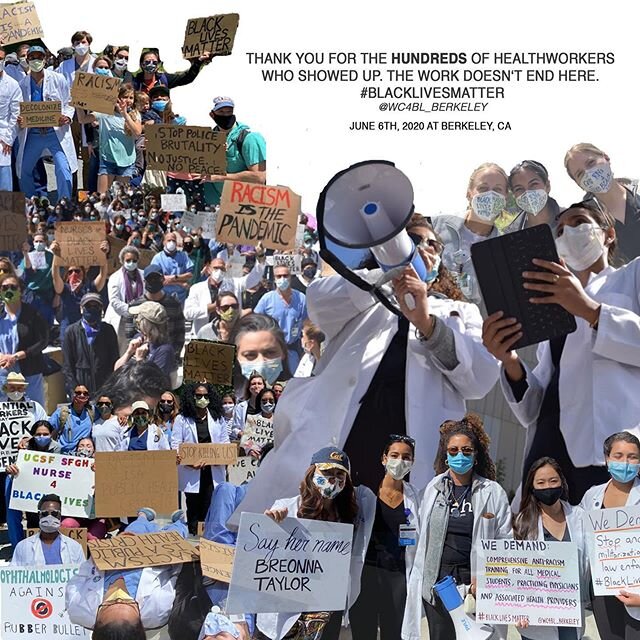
(294,565)
(214,34)
(16,420)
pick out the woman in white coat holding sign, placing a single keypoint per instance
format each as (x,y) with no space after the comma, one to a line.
(617,618)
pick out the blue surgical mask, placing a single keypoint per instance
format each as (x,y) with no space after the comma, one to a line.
(460,463)
(103,72)
(433,274)
(42,441)
(623,471)
(282,283)
(268,369)
(159,105)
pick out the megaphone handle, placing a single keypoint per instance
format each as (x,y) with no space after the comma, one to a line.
(410,301)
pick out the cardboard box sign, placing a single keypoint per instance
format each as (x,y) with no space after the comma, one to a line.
(217,560)
(210,361)
(80,243)
(16,419)
(19,22)
(214,34)
(209,454)
(41,114)
(94,92)
(79,534)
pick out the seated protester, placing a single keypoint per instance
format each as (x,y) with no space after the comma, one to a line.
(90,347)
(108,429)
(200,422)
(226,311)
(258,428)
(166,412)
(617,617)
(228,410)
(461,505)
(249,406)
(40,440)
(312,339)
(176,267)
(123,603)
(142,434)
(546,515)
(73,421)
(303,280)
(328,478)
(15,390)
(48,546)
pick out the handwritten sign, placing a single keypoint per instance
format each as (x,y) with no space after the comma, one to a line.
(214,34)
(243,471)
(210,361)
(205,220)
(217,560)
(257,431)
(80,243)
(19,22)
(296,565)
(252,213)
(69,477)
(13,231)
(144,550)
(183,149)
(293,262)
(94,92)
(173,201)
(127,480)
(613,537)
(528,580)
(79,534)
(208,454)
(41,114)
(16,420)
(33,605)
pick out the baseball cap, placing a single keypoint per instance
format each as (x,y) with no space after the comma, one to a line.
(151,311)
(140,404)
(36,49)
(159,90)
(331,458)
(152,268)
(222,101)
(91,297)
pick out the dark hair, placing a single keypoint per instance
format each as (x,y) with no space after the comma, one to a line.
(159,418)
(410,442)
(262,393)
(529,165)
(226,292)
(118,630)
(313,332)
(470,426)
(621,436)
(40,423)
(12,276)
(134,381)
(154,51)
(525,524)
(247,390)
(312,503)
(81,35)
(49,497)
(188,403)
(265,449)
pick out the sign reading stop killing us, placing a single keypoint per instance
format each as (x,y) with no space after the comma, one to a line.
(294,565)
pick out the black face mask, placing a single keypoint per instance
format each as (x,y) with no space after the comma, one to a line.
(165,408)
(548,496)
(153,286)
(309,273)
(224,122)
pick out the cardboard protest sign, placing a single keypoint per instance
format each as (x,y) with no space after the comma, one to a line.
(216,560)
(144,550)
(41,114)
(210,361)
(613,537)
(128,480)
(244,470)
(205,220)
(528,580)
(12,202)
(214,34)
(173,201)
(16,420)
(19,22)
(116,245)
(94,92)
(294,262)
(208,454)
(80,243)
(32,603)
(251,213)
(70,477)
(13,231)
(183,149)
(79,534)
(294,565)
(257,430)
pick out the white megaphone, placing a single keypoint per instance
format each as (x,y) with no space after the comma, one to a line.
(368,206)
(466,627)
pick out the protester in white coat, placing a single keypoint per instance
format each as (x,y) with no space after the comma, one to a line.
(326,493)
(617,618)
(461,505)
(142,434)
(10,98)
(546,515)
(590,376)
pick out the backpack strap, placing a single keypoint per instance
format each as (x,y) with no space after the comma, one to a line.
(240,141)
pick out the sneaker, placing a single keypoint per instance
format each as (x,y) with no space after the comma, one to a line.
(148,513)
(178,516)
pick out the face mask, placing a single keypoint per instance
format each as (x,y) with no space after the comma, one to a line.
(228,407)
(104,72)
(136,242)
(398,468)
(623,471)
(84,453)
(121,63)
(140,421)
(24,63)
(42,441)
(92,316)
(15,396)
(547,496)
(268,407)
(10,296)
(488,205)
(581,246)
(119,226)
(217,275)
(153,286)
(433,274)
(282,283)
(460,463)
(532,202)
(81,49)
(225,122)
(159,105)
(119,594)
(130,265)
(35,219)
(165,407)
(202,403)
(49,524)
(268,369)
(597,179)
(150,66)
(171,246)
(309,274)
(51,237)
(36,65)
(326,489)
(39,246)
(230,315)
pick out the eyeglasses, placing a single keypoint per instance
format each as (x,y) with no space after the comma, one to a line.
(54,512)
(82,394)
(467,451)
(9,287)
(396,437)
(131,603)
(226,307)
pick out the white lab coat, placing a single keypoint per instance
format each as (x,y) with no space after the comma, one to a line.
(10,98)
(117,306)
(599,371)
(276,625)
(156,439)
(54,87)
(184,430)
(28,552)
(575,525)
(67,68)
(317,411)
(156,592)
(412,503)
(593,499)
(195,306)
(488,497)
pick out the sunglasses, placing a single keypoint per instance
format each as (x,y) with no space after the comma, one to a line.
(82,394)
(467,451)
(395,437)
(226,307)
(74,270)
(104,404)
(9,287)
(54,513)
(432,243)
(201,395)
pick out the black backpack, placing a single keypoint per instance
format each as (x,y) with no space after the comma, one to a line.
(191,604)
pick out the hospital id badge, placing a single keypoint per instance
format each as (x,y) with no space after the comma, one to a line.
(407,535)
